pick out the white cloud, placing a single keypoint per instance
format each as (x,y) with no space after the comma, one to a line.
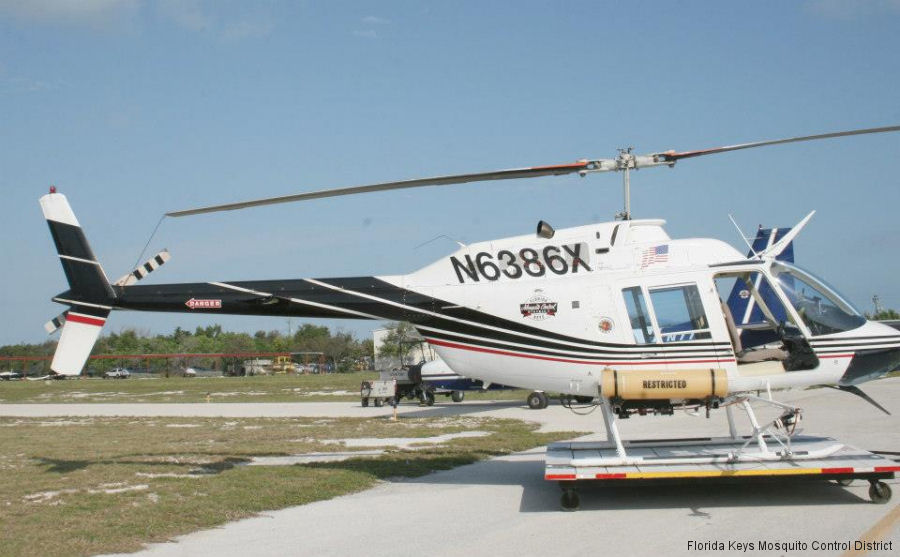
(203,17)
(22,84)
(28,85)
(220,20)
(847,9)
(92,12)
(375,20)
(188,14)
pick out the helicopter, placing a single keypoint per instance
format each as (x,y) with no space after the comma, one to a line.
(617,312)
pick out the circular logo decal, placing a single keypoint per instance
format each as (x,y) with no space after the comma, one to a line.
(606,325)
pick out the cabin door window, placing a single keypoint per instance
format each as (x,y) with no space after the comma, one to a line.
(679,313)
(641,324)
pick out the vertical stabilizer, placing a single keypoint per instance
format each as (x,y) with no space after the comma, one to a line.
(90,296)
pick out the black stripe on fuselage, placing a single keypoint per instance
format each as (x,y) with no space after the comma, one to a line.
(574,353)
(376,287)
(387,302)
(855,345)
(175,297)
(853,340)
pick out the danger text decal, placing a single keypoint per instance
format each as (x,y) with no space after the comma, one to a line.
(533,262)
(194,303)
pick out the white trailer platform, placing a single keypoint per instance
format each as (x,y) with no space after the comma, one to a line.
(707,459)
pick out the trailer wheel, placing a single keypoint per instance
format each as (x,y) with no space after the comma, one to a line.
(429,398)
(457,396)
(879,492)
(537,400)
(379,402)
(365,401)
(569,500)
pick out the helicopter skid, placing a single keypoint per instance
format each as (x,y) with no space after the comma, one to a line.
(721,453)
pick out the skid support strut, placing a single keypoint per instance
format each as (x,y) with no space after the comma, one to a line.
(780,429)
(612,431)
(732,430)
(762,436)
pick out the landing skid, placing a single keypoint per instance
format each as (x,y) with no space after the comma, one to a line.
(752,448)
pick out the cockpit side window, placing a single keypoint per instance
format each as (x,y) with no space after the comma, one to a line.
(641,325)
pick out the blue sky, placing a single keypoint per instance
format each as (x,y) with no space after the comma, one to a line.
(134,108)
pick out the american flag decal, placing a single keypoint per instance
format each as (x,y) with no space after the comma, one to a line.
(658,254)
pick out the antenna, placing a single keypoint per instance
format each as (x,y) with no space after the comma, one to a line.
(438,237)
(744,238)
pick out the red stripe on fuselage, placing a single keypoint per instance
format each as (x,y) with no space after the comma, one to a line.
(568,361)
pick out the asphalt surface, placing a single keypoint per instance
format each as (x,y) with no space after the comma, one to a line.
(504,507)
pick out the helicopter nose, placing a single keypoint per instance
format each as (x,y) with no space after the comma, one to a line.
(867,365)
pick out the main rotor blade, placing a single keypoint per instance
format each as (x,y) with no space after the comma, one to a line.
(622,162)
(672,156)
(528,172)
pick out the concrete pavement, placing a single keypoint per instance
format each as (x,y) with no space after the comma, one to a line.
(504,507)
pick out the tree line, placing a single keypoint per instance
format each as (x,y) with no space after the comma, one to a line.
(341,351)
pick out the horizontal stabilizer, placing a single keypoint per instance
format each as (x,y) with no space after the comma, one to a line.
(54,324)
(145,269)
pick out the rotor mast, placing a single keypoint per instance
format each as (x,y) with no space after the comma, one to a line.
(625,162)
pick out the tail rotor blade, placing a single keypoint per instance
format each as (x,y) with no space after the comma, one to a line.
(144,269)
(54,324)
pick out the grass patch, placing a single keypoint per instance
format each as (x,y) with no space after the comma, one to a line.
(335,387)
(80,486)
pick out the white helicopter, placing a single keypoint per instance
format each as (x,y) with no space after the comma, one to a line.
(617,310)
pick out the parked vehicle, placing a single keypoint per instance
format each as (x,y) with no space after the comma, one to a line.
(117,373)
(9,375)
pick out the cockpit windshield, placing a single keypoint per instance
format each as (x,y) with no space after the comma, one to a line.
(822,309)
